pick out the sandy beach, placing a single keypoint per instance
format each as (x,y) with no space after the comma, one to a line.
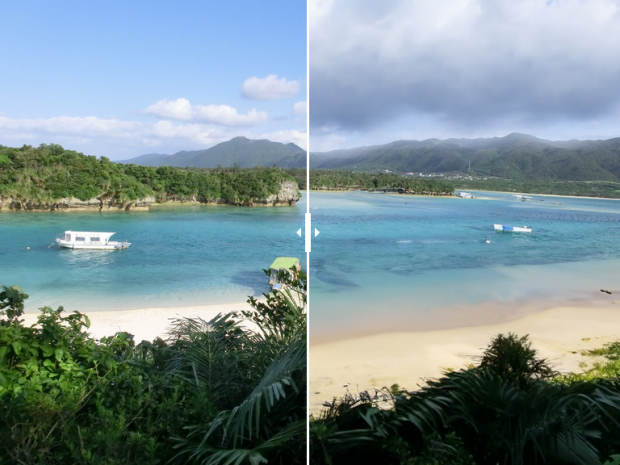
(146,323)
(408,358)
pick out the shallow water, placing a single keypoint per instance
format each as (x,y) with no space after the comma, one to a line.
(180,256)
(388,262)
(381,262)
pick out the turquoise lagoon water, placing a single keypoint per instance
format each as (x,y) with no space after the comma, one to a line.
(181,256)
(389,262)
(381,262)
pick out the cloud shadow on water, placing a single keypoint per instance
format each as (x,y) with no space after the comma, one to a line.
(335,278)
(256,280)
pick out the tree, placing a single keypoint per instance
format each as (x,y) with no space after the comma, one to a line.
(12,303)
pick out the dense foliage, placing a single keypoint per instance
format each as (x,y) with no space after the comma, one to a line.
(606,189)
(213,392)
(49,172)
(355,180)
(510,409)
(514,163)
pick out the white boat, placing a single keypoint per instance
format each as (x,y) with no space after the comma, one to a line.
(90,240)
(522,198)
(502,227)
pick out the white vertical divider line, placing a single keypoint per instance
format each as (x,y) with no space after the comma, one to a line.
(308,231)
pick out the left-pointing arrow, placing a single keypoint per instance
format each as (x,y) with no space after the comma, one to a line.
(299,232)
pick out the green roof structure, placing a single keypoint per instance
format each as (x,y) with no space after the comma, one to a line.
(285,263)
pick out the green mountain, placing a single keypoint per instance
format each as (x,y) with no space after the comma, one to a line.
(240,151)
(150,159)
(516,156)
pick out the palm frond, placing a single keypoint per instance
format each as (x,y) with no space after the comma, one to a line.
(244,420)
(504,419)
(210,355)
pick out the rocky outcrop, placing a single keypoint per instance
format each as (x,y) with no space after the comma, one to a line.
(74,204)
(288,195)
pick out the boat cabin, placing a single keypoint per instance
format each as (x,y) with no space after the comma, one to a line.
(84,238)
(90,240)
(289,265)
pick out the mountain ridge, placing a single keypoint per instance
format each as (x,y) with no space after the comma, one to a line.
(515,156)
(239,151)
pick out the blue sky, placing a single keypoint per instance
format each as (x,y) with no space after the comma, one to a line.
(418,69)
(122,79)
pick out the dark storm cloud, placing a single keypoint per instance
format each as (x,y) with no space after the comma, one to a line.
(468,63)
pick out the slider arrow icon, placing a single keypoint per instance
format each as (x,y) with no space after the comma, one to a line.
(299,232)
(316,232)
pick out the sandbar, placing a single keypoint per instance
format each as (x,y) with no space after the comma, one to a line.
(409,358)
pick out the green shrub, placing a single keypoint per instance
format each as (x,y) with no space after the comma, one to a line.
(513,359)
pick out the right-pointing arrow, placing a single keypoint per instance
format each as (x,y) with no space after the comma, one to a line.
(299,232)
(316,232)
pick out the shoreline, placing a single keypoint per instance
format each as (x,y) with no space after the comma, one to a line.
(396,194)
(462,316)
(147,208)
(559,335)
(469,190)
(145,323)
(540,195)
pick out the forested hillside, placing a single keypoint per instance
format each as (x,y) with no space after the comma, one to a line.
(349,180)
(516,156)
(52,178)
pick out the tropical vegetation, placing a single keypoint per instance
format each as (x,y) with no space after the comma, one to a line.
(231,390)
(512,408)
(49,172)
(356,180)
(604,189)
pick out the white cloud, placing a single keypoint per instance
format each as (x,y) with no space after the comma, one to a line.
(89,126)
(228,116)
(269,88)
(286,136)
(120,140)
(181,109)
(325,139)
(318,9)
(301,108)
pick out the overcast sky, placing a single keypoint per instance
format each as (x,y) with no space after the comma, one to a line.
(412,69)
(121,79)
